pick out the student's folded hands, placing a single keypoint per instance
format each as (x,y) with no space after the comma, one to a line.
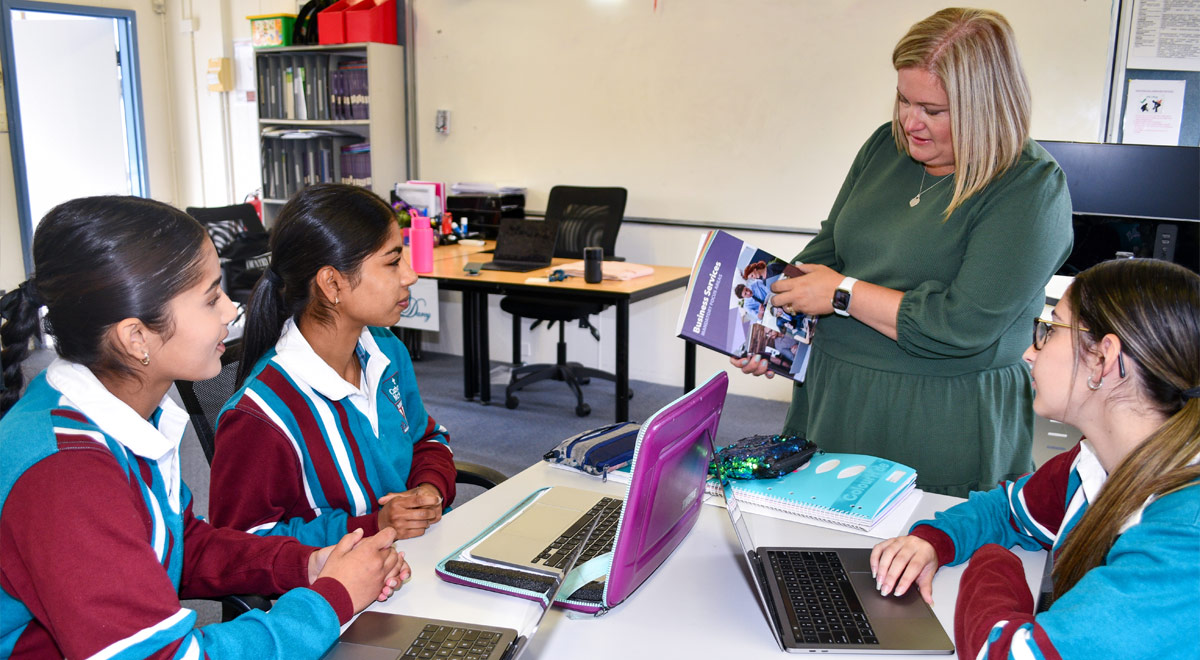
(369,568)
(412,512)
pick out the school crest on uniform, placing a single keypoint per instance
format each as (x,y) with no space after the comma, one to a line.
(392,389)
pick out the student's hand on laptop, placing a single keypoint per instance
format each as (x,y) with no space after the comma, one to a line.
(897,562)
(753,365)
(412,512)
(369,568)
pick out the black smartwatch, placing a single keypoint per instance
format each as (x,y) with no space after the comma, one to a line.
(841,297)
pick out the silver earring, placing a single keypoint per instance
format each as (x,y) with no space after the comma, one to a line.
(337,299)
(145,359)
(1097,385)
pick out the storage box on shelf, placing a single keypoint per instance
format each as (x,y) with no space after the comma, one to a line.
(330,113)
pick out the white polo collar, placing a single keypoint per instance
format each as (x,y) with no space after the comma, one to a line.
(83,391)
(297,357)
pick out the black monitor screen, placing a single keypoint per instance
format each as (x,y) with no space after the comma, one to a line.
(1102,237)
(1142,200)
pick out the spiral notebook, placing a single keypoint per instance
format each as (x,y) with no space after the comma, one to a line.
(853,490)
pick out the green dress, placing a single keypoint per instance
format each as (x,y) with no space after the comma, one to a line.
(951,396)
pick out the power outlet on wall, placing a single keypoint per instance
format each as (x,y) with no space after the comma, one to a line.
(526,350)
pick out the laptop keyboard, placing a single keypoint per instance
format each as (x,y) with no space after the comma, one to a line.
(822,607)
(451,642)
(559,551)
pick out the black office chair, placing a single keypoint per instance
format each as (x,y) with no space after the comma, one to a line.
(241,242)
(588,217)
(204,399)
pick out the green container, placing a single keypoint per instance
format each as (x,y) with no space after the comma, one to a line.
(271,30)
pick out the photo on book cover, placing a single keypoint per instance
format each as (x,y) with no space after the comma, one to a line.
(728,306)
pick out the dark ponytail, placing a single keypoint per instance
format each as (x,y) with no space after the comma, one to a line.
(19,311)
(97,261)
(327,224)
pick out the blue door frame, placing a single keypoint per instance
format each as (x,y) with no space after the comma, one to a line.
(126,22)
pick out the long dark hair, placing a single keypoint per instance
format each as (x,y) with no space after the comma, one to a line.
(97,261)
(1153,307)
(327,224)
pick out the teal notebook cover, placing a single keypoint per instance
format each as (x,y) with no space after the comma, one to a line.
(851,489)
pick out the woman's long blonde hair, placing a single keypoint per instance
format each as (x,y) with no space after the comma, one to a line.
(974,54)
(1153,307)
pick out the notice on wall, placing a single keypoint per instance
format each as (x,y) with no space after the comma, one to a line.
(1165,35)
(1153,112)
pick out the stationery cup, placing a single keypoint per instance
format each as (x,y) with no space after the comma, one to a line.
(592,270)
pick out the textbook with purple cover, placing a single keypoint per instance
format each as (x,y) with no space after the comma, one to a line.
(728,306)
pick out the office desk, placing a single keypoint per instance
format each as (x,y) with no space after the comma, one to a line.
(448,271)
(699,603)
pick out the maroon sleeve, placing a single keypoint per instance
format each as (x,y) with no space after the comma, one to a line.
(335,593)
(75,549)
(939,540)
(368,522)
(256,477)
(217,562)
(992,590)
(433,463)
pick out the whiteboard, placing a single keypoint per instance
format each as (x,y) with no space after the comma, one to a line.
(725,111)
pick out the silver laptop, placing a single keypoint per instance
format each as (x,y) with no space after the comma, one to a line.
(823,600)
(523,245)
(540,536)
(379,636)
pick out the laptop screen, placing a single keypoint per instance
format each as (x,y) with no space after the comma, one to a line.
(743,535)
(521,239)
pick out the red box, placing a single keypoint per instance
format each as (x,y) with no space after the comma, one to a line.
(371,20)
(331,23)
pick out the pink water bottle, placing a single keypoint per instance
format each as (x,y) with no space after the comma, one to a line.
(422,247)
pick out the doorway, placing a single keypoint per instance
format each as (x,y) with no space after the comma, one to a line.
(74,106)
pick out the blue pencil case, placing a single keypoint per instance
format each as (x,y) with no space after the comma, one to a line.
(598,450)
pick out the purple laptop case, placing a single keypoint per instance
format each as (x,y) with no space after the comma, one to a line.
(670,466)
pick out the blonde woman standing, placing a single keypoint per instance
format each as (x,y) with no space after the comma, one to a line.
(932,260)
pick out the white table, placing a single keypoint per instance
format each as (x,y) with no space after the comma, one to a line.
(699,603)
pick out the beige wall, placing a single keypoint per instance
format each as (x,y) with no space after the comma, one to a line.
(203,146)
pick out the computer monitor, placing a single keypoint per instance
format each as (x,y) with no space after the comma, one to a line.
(1139,199)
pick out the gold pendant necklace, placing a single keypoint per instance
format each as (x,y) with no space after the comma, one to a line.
(917,199)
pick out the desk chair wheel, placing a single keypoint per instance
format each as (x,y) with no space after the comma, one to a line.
(583,410)
(511,402)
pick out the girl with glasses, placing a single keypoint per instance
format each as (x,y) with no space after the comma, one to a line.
(1120,511)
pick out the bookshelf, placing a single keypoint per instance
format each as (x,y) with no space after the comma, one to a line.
(311,104)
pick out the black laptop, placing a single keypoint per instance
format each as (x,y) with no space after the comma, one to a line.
(523,245)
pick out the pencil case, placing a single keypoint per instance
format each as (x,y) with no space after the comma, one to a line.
(597,451)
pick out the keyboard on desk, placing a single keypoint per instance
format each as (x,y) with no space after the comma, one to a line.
(559,550)
(451,642)
(822,607)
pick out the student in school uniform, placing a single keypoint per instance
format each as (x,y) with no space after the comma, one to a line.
(328,433)
(1120,511)
(98,541)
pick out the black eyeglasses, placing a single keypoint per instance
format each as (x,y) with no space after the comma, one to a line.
(1041,330)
